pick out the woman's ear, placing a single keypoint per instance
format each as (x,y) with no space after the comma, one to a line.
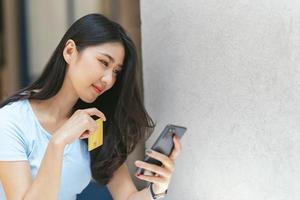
(69,51)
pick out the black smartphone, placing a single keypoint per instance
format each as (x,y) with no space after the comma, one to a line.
(164,144)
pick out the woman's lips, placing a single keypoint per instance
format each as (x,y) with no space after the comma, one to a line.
(97,89)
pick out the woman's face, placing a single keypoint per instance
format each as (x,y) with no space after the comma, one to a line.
(93,70)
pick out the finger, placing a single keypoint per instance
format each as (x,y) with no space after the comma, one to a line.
(91,128)
(177,148)
(84,135)
(153,179)
(165,160)
(95,126)
(95,111)
(153,168)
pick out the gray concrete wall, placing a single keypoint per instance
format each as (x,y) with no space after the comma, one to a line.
(229,71)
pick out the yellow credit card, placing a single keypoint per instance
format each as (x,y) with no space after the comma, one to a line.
(96,139)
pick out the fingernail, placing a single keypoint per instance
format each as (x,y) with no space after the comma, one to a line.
(148,151)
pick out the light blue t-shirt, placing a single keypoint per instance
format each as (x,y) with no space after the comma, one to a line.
(23,138)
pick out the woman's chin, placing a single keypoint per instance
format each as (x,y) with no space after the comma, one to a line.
(88,99)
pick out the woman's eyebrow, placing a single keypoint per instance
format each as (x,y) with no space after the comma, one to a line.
(110,58)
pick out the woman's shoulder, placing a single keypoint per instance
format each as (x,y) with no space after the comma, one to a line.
(14,112)
(14,142)
(16,124)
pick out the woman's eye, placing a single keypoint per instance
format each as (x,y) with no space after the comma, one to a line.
(117,72)
(104,62)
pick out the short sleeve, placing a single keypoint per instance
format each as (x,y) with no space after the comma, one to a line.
(12,142)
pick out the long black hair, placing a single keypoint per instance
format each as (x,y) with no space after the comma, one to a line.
(127,120)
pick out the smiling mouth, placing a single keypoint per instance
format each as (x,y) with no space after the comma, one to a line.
(98,90)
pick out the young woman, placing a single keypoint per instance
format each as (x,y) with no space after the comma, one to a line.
(43,127)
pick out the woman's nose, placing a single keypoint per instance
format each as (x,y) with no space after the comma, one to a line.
(108,77)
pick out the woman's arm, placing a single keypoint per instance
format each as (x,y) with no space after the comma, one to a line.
(18,183)
(16,176)
(121,185)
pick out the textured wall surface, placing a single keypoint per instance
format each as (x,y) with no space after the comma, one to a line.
(229,71)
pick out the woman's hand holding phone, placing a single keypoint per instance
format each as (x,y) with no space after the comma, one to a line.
(163,174)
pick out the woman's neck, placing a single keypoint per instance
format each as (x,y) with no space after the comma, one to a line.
(59,106)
